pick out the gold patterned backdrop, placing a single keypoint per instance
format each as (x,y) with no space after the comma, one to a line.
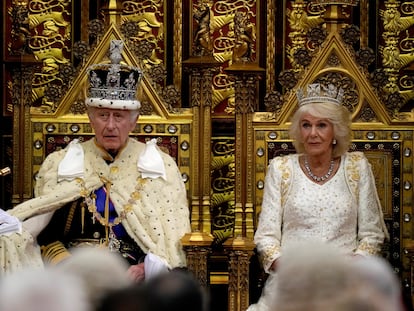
(217,93)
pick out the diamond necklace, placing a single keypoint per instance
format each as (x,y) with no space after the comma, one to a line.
(317,178)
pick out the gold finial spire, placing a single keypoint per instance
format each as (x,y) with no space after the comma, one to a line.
(113,12)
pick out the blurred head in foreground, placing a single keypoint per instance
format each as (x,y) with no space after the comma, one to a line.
(177,290)
(42,290)
(315,276)
(100,270)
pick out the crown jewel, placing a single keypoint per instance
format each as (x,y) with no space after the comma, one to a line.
(113,85)
(317,93)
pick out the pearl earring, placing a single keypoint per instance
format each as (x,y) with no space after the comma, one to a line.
(334,142)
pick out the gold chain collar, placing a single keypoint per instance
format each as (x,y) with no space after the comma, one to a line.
(90,200)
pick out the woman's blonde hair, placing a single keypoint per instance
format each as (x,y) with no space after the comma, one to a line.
(337,115)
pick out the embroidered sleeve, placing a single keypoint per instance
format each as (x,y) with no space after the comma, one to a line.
(371,227)
(268,233)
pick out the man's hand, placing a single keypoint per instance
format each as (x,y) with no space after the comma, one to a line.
(137,272)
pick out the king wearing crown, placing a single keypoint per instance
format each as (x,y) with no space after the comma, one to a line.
(110,191)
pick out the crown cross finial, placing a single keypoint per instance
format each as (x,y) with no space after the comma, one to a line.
(115,51)
(317,93)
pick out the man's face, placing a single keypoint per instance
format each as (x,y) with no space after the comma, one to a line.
(112,126)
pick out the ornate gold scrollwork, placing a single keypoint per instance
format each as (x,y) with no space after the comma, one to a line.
(20,32)
(202,40)
(150,29)
(245,38)
(395,54)
(50,24)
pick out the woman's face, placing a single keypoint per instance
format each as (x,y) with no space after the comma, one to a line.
(112,127)
(317,135)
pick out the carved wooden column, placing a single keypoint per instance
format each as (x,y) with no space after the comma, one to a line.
(245,78)
(200,66)
(239,251)
(197,246)
(240,247)
(201,73)
(21,64)
(21,90)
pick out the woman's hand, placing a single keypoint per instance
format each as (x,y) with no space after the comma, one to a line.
(137,272)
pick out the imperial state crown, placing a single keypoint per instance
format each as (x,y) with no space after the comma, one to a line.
(114,85)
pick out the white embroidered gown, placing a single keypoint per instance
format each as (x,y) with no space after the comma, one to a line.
(345,211)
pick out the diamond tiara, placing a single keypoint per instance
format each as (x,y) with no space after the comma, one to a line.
(113,85)
(319,93)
